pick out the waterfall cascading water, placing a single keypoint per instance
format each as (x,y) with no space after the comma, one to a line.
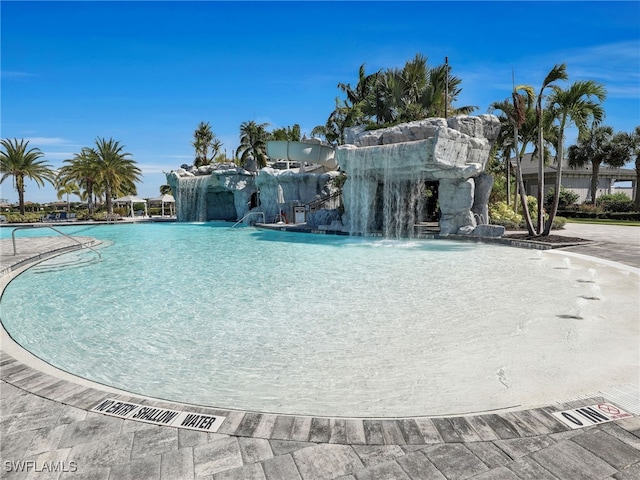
(191,199)
(383,198)
(362,186)
(403,196)
(389,171)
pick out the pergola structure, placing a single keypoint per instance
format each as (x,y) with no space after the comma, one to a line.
(164,200)
(130,199)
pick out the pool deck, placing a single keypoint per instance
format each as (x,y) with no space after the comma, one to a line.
(46,423)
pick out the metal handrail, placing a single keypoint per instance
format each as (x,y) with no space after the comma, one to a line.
(320,201)
(13,238)
(264,220)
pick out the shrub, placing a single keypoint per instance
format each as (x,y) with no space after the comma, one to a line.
(502,214)
(615,202)
(635,216)
(558,222)
(566,199)
(29,217)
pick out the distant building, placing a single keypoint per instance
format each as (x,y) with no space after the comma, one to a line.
(610,180)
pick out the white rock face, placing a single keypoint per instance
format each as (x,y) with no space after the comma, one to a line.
(452,152)
(297,189)
(212,192)
(228,192)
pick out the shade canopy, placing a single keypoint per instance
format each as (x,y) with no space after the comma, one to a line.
(164,200)
(130,199)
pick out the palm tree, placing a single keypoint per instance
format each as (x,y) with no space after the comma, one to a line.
(558,72)
(580,105)
(519,124)
(67,188)
(253,138)
(333,129)
(632,142)
(17,161)
(291,134)
(203,140)
(82,169)
(523,129)
(599,146)
(504,146)
(359,98)
(395,95)
(115,170)
(166,190)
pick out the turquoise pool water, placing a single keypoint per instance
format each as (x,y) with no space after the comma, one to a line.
(326,325)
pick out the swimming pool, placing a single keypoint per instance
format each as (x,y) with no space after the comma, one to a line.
(326,325)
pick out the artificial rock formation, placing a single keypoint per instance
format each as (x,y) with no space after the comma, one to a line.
(225,191)
(388,168)
(297,189)
(221,191)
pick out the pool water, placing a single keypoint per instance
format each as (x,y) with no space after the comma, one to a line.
(291,323)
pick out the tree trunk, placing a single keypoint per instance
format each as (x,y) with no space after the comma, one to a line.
(556,194)
(523,200)
(595,171)
(107,192)
(90,198)
(637,196)
(521,189)
(540,224)
(508,181)
(20,188)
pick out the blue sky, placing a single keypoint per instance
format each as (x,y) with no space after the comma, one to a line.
(146,73)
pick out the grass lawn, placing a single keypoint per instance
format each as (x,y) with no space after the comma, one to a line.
(604,221)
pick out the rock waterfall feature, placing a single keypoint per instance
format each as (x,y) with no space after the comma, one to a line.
(220,191)
(389,170)
(397,178)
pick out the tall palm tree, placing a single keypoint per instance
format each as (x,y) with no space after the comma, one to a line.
(558,72)
(599,146)
(580,105)
(82,169)
(519,123)
(253,143)
(504,146)
(523,131)
(115,169)
(20,162)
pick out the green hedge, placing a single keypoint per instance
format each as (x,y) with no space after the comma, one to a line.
(19,218)
(603,215)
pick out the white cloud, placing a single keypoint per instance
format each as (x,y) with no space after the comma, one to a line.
(148,168)
(9,74)
(58,155)
(47,141)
